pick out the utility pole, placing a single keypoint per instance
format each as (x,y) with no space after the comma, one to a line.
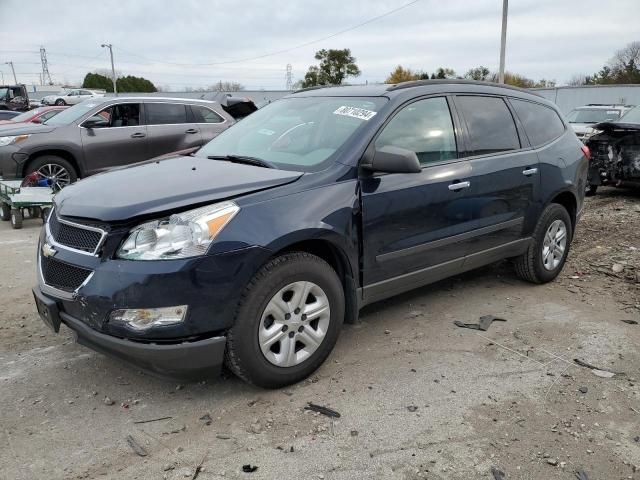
(503,39)
(45,66)
(289,77)
(13,70)
(113,69)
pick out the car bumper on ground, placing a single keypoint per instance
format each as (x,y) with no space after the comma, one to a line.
(182,359)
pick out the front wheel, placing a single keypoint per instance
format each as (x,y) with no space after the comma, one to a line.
(549,247)
(60,102)
(5,211)
(57,172)
(287,322)
(16,218)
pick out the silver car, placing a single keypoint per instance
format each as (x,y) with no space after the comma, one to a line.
(72,97)
(103,133)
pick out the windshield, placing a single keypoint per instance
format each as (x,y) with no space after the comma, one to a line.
(594,115)
(300,134)
(632,116)
(72,114)
(3,92)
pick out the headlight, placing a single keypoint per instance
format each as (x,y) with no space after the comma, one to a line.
(186,234)
(4,141)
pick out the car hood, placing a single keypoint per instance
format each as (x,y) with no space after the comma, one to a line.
(26,128)
(581,127)
(607,126)
(165,185)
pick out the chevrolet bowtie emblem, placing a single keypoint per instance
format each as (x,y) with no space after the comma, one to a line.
(48,250)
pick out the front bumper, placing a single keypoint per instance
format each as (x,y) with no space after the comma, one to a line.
(184,359)
(11,162)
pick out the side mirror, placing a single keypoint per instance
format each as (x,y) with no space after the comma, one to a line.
(94,122)
(390,159)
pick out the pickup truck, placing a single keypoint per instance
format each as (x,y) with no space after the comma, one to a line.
(14,97)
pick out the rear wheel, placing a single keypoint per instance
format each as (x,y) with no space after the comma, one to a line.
(548,250)
(16,218)
(287,322)
(56,170)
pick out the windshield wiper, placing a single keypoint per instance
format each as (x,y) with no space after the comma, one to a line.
(258,162)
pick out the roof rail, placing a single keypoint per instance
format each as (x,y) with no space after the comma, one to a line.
(461,81)
(317,87)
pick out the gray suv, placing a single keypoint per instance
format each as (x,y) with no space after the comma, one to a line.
(103,133)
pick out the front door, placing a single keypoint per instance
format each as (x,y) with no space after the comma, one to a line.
(414,224)
(118,140)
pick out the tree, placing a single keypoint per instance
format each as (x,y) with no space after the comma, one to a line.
(401,74)
(335,66)
(623,67)
(227,87)
(443,73)
(478,73)
(95,80)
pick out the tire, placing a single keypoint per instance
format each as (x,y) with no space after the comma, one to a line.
(591,190)
(5,212)
(49,164)
(45,214)
(60,102)
(16,218)
(248,358)
(530,266)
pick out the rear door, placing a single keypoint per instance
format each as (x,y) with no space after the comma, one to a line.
(121,141)
(415,224)
(170,128)
(209,122)
(505,181)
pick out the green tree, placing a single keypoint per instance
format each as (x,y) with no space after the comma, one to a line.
(478,73)
(95,80)
(134,84)
(335,66)
(401,74)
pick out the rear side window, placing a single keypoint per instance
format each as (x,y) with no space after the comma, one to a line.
(424,127)
(541,123)
(205,115)
(165,113)
(490,125)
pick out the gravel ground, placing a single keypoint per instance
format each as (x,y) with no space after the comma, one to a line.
(418,397)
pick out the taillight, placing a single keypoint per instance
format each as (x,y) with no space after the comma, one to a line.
(586,151)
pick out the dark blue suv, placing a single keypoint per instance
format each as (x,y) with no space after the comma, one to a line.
(254,250)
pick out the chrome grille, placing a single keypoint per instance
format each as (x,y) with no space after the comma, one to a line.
(72,235)
(62,276)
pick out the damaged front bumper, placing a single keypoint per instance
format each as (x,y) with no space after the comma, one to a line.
(615,155)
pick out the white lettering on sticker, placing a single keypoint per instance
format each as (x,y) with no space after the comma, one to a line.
(355,112)
(612,112)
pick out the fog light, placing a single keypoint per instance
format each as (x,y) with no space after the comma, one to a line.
(145,318)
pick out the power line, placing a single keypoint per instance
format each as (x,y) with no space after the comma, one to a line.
(278,52)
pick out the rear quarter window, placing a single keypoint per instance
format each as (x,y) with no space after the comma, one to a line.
(541,123)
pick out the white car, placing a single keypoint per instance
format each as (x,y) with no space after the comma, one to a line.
(71,97)
(582,119)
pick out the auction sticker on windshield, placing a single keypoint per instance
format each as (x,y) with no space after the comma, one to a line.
(355,112)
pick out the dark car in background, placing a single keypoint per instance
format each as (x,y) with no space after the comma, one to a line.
(257,248)
(615,152)
(103,133)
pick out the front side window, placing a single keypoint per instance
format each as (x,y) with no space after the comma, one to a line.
(205,115)
(165,113)
(490,126)
(424,127)
(122,115)
(86,92)
(73,114)
(541,123)
(297,133)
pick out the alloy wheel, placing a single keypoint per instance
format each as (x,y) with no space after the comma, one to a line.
(554,245)
(294,324)
(57,176)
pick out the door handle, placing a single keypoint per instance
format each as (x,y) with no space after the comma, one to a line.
(459,186)
(529,171)
(191,130)
(138,135)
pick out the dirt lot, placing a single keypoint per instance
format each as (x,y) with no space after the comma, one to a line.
(419,397)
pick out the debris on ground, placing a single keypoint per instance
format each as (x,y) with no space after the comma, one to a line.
(497,474)
(552,461)
(136,447)
(323,410)
(412,408)
(484,323)
(581,475)
(593,367)
(108,401)
(249,468)
(206,418)
(630,322)
(153,420)
(223,436)
(603,373)
(583,389)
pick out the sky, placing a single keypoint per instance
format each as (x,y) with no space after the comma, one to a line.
(196,43)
